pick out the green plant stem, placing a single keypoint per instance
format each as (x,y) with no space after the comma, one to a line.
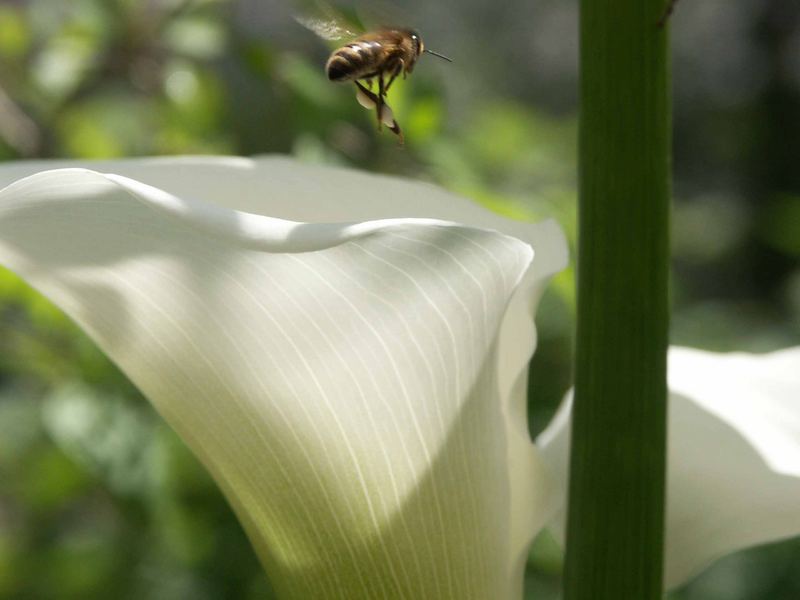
(616,494)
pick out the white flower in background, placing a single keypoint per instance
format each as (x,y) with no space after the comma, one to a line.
(354,385)
(734,455)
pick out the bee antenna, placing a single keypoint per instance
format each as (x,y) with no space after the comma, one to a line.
(437,54)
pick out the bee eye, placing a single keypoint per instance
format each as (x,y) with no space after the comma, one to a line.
(417,42)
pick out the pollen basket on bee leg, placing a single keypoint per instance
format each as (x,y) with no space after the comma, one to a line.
(387,117)
(365,100)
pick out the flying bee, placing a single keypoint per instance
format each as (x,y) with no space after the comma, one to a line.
(382,54)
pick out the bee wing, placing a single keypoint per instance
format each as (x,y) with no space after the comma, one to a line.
(327,29)
(327,22)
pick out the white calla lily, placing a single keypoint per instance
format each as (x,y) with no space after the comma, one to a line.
(354,384)
(733,458)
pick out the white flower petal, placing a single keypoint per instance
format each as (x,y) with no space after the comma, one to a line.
(340,381)
(734,455)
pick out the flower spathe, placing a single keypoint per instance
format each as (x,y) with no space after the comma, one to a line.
(733,459)
(350,376)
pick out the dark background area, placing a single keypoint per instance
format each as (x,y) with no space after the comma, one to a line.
(98,499)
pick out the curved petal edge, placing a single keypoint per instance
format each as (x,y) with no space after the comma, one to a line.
(341,381)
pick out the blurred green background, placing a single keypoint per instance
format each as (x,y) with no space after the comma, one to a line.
(98,499)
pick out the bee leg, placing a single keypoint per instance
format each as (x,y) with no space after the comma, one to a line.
(398,69)
(389,119)
(365,97)
(368,99)
(395,129)
(381,100)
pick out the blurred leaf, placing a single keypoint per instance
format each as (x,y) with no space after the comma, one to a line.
(78,563)
(196,96)
(424,119)
(309,83)
(107,436)
(10,567)
(199,37)
(258,58)
(19,427)
(781,226)
(64,62)
(114,124)
(52,480)
(15,37)
(708,227)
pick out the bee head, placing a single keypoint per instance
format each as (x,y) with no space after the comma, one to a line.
(419,47)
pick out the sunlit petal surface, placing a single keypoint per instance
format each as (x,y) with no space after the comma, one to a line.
(347,381)
(734,455)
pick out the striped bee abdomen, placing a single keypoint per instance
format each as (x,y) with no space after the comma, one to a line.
(357,60)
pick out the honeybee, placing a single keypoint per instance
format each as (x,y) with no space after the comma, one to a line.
(382,54)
